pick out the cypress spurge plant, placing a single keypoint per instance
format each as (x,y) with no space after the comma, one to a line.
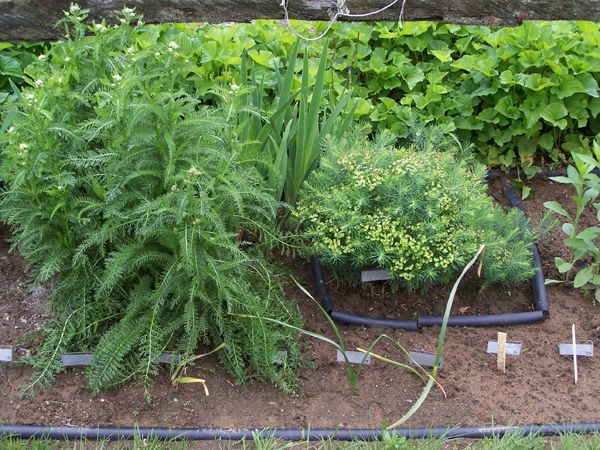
(126,193)
(418,213)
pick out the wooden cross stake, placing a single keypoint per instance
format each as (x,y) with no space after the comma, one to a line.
(502,352)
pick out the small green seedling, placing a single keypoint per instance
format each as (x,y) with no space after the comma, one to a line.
(581,243)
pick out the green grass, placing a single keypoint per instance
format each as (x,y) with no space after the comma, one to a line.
(391,441)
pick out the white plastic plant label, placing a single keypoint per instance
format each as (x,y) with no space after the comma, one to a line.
(425,359)
(6,354)
(583,348)
(512,348)
(353,357)
(374,275)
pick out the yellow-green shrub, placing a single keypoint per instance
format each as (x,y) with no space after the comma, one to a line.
(419,214)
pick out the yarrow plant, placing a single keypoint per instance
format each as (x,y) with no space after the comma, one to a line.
(126,192)
(420,214)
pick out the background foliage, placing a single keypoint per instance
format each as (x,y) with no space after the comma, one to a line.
(13,60)
(524,96)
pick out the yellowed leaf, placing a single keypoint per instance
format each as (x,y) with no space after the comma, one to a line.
(186,380)
(190,380)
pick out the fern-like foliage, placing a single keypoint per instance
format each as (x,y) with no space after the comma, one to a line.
(131,194)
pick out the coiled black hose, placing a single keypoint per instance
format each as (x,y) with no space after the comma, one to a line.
(540,294)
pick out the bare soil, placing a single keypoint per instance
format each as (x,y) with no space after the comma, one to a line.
(538,386)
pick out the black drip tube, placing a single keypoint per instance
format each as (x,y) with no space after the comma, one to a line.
(357,319)
(542,306)
(561,171)
(486,320)
(539,287)
(366,434)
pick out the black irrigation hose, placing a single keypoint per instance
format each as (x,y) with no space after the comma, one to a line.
(366,434)
(540,294)
(542,306)
(562,171)
(357,319)
(484,320)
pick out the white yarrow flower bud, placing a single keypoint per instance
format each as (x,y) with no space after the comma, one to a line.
(193,171)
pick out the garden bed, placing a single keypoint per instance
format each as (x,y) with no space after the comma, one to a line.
(537,387)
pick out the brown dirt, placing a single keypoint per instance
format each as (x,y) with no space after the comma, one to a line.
(537,387)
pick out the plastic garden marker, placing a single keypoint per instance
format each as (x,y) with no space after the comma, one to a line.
(6,354)
(374,275)
(169,358)
(501,360)
(511,348)
(426,359)
(353,357)
(280,357)
(76,359)
(582,348)
(85,359)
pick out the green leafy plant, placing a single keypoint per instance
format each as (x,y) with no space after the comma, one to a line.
(126,193)
(417,213)
(291,134)
(582,244)
(525,96)
(14,58)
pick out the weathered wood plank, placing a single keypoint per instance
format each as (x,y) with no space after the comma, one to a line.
(34,19)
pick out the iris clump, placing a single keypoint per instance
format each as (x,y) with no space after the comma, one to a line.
(417,212)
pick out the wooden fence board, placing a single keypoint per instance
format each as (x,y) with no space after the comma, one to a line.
(35,19)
